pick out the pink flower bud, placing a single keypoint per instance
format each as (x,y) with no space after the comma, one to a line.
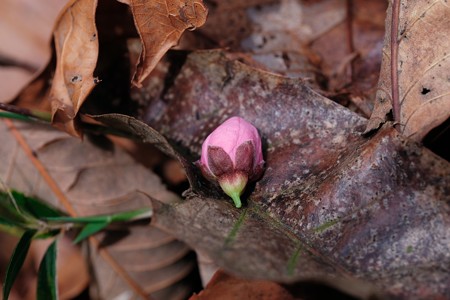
(232,156)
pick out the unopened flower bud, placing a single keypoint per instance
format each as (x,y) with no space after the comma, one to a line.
(232,157)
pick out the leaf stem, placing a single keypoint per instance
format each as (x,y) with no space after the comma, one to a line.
(394,62)
(350,43)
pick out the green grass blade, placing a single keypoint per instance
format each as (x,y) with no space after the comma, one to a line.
(16,261)
(89,230)
(47,288)
(118,217)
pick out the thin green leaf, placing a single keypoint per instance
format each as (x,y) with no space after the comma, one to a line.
(47,288)
(35,207)
(89,230)
(11,228)
(138,214)
(24,211)
(47,234)
(118,217)
(16,262)
(10,213)
(6,222)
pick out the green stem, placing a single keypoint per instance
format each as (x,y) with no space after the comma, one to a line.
(236,199)
(24,114)
(10,115)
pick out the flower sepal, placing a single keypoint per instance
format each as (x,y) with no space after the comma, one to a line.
(233,184)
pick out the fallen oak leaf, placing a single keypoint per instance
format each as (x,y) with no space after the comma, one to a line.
(160,24)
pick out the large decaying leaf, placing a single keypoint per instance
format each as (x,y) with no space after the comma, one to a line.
(421,67)
(160,24)
(331,201)
(93,181)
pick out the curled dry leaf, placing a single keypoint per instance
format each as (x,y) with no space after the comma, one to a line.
(331,201)
(160,24)
(76,45)
(97,179)
(421,68)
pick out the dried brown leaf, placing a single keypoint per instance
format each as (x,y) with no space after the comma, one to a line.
(421,68)
(223,286)
(76,44)
(351,49)
(91,180)
(160,24)
(335,45)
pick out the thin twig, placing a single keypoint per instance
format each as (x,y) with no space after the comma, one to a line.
(350,43)
(394,62)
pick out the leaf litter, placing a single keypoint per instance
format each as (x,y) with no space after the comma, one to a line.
(310,199)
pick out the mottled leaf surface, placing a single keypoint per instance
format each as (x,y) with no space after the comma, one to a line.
(331,201)
(421,66)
